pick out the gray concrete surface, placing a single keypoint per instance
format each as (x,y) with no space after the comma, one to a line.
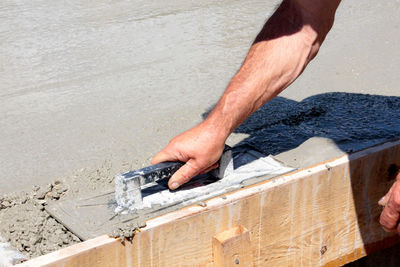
(82,83)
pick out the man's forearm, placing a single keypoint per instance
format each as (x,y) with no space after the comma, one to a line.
(287,42)
(281,51)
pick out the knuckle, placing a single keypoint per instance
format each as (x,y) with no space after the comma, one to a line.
(395,199)
(171,146)
(386,227)
(187,172)
(192,166)
(382,220)
(206,162)
(184,177)
(388,218)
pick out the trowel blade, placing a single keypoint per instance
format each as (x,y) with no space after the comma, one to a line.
(128,185)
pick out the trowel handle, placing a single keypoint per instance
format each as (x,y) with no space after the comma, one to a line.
(163,170)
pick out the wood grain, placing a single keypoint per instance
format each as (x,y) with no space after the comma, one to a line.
(232,248)
(323,215)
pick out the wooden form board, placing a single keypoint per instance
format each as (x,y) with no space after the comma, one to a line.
(324,215)
(232,248)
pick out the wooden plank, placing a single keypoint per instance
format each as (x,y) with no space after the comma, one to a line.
(232,248)
(323,215)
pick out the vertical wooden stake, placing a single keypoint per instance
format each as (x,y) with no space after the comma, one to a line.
(232,248)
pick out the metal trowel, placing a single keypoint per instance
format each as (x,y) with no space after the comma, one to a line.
(143,194)
(128,186)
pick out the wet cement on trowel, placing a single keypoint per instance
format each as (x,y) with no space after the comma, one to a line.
(93,216)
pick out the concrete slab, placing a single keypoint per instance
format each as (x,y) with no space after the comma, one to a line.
(83,83)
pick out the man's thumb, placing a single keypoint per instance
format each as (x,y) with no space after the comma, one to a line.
(183,175)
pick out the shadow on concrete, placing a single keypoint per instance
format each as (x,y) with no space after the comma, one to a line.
(352,121)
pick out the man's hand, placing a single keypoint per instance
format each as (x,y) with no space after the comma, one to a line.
(200,147)
(286,44)
(391,213)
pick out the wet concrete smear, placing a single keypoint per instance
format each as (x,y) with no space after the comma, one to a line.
(352,121)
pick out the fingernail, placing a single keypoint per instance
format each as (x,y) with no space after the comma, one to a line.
(174,185)
(382,201)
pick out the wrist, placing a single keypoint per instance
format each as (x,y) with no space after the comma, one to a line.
(215,126)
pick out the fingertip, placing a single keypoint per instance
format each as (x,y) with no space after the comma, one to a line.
(174,186)
(160,157)
(382,201)
(175,181)
(183,175)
